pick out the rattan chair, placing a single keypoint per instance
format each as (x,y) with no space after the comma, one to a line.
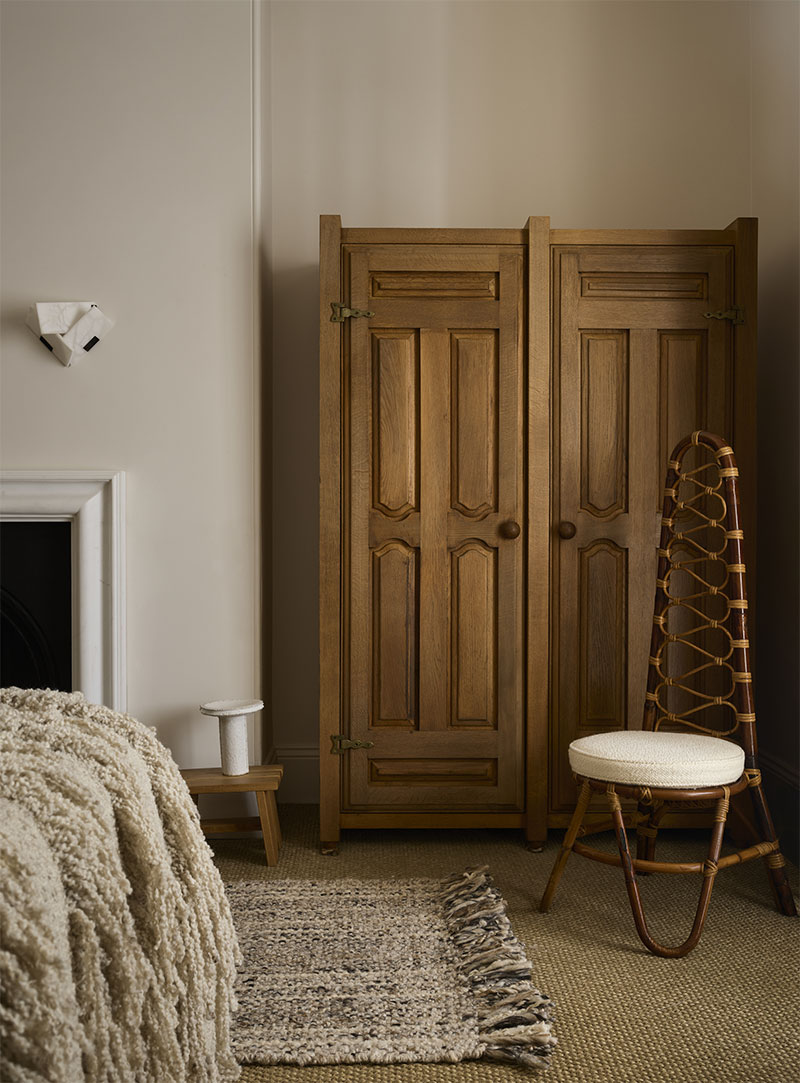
(698,681)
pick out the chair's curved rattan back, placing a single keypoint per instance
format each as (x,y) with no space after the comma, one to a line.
(699,672)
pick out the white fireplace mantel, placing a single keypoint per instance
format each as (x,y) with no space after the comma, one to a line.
(93,502)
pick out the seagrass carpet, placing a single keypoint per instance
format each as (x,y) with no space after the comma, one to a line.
(727,1013)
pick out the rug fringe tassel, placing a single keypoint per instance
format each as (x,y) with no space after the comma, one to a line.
(514,1018)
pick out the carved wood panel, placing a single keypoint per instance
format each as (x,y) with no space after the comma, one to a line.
(478,393)
(395,635)
(434,674)
(474,422)
(604,422)
(473,629)
(395,430)
(602,628)
(637,367)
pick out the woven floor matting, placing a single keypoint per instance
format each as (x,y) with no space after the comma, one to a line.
(408,970)
(727,1013)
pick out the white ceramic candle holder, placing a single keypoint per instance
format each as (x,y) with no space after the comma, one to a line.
(232,715)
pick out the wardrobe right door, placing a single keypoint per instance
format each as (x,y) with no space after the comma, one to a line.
(639,362)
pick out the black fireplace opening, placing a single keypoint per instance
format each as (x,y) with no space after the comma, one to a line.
(36,605)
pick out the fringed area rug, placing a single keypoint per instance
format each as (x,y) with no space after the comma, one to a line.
(346,971)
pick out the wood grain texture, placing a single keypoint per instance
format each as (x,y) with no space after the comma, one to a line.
(474,648)
(392,236)
(605,394)
(645,237)
(595,398)
(637,366)
(432,821)
(539,436)
(434,576)
(395,635)
(330,538)
(268,815)
(395,427)
(474,378)
(263,780)
(211,779)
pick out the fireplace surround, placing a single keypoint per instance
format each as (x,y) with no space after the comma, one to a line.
(93,503)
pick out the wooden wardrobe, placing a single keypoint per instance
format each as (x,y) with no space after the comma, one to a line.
(496,412)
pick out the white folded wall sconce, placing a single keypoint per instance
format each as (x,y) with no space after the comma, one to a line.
(69,329)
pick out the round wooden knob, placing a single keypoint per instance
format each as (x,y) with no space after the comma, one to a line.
(510,529)
(566,529)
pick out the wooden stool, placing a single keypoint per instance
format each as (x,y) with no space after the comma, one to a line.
(263,781)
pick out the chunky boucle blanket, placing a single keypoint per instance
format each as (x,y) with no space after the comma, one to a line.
(117,949)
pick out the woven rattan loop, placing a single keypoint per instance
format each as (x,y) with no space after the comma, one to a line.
(742,678)
(709,868)
(776,861)
(645,796)
(745,717)
(753,776)
(727,450)
(735,534)
(648,832)
(728,472)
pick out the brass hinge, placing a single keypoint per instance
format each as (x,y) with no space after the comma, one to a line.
(341,312)
(735,315)
(341,744)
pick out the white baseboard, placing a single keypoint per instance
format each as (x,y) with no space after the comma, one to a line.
(300,785)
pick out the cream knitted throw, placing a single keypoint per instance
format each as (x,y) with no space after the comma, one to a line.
(117,949)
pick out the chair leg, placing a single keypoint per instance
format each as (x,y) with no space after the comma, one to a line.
(566,847)
(709,875)
(270,825)
(775,862)
(644,831)
(647,835)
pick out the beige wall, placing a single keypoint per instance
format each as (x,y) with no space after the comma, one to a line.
(127,180)
(599,114)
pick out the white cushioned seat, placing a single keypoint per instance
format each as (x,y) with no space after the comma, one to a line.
(637,758)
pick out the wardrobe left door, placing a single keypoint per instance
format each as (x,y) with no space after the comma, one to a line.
(433,533)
